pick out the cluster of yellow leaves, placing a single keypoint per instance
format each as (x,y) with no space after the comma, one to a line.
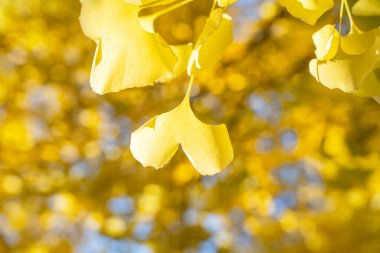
(131,53)
(350,63)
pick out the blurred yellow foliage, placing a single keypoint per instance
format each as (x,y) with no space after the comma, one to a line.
(305,177)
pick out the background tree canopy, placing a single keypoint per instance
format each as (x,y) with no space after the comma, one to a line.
(306,170)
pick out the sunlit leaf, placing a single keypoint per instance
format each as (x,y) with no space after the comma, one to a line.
(358,42)
(147,20)
(215,38)
(326,41)
(208,147)
(307,10)
(350,73)
(371,85)
(367,8)
(127,56)
(183,53)
(310,4)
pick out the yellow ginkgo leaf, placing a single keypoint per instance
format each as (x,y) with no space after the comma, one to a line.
(310,4)
(225,3)
(326,41)
(215,38)
(183,53)
(350,73)
(358,42)
(212,49)
(367,8)
(208,147)
(126,55)
(307,10)
(147,20)
(371,85)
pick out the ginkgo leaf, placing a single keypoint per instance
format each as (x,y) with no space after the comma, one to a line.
(367,8)
(215,38)
(126,56)
(371,85)
(147,20)
(212,49)
(310,4)
(358,42)
(307,10)
(183,53)
(326,41)
(350,73)
(225,3)
(208,147)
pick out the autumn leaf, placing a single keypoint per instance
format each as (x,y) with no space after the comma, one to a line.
(358,42)
(366,8)
(326,41)
(350,73)
(208,147)
(215,38)
(347,62)
(126,56)
(307,10)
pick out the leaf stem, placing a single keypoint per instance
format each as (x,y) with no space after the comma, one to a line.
(214,5)
(352,23)
(190,86)
(343,2)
